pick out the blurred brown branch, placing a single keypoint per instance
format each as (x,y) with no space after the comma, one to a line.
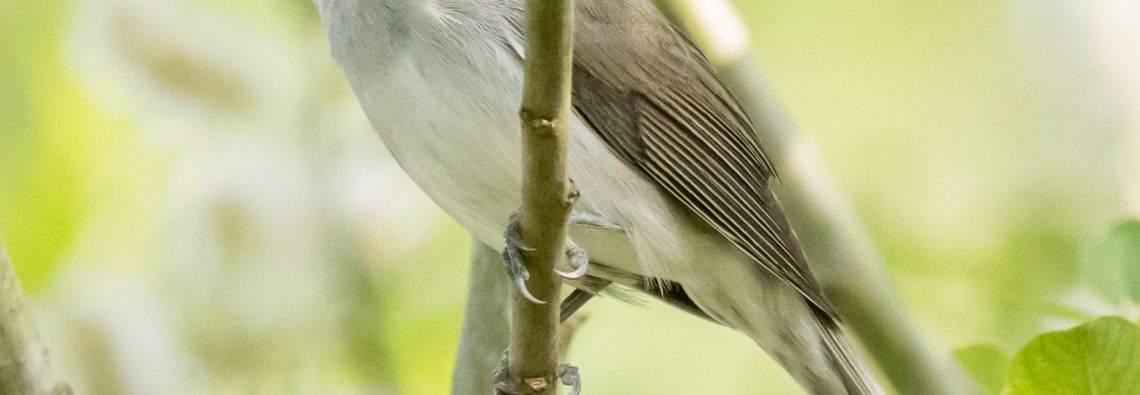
(840,251)
(485,323)
(24,366)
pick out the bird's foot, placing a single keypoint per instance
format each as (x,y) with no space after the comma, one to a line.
(569,375)
(512,257)
(504,385)
(578,259)
(502,377)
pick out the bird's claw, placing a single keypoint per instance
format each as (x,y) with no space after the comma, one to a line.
(512,234)
(501,376)
(520,282)
(512,257)
(503,384)
(579,259)
(570,377)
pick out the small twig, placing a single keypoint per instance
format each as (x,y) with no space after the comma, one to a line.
(485,323)
(547,194)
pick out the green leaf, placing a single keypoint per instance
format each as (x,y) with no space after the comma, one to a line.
(1110,265)
(1101,357)
(986,363)
(42,114)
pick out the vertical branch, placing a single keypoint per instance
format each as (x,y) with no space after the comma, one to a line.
(850,268)
(485,328)
(23,358)
(547,194)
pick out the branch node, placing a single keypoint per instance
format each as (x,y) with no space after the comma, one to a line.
(538,384)
(539,126)
(572,193)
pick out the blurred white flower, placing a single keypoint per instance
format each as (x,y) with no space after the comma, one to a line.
(1108,30)
(244,220)
(187,68)
(110,336)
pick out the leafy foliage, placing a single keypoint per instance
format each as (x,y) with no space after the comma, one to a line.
(1097,358)
(1111,263)
(986,363)
(1100,357)
(141,199)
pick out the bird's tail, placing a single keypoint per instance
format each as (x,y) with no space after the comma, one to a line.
(857,379)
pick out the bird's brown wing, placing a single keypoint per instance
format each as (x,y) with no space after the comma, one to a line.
(652,96)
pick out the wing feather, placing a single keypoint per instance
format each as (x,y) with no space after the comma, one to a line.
(653,98)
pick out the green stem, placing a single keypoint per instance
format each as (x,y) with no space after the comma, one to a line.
(547,193)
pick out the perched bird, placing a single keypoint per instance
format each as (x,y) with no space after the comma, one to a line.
(674,184)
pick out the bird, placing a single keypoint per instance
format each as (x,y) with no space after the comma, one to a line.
(675,199)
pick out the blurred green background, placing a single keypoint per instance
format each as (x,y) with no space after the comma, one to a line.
(194,200)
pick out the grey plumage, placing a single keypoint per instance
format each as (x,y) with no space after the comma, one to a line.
(667,114)
(658,147)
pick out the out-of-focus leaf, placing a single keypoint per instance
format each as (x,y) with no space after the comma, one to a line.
(986,363)
(1110,264)
(40,148)
(1099,357)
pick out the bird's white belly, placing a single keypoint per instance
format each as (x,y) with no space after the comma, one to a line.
(458,137)
(463,154)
